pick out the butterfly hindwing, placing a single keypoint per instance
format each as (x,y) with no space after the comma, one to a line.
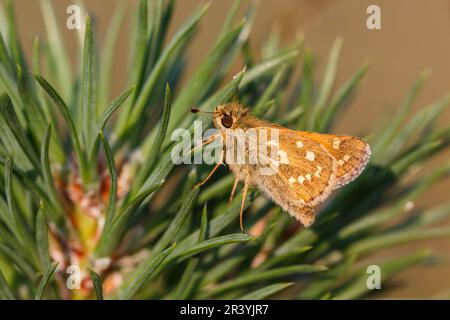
(304,175)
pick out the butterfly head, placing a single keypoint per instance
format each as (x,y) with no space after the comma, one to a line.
(227,116)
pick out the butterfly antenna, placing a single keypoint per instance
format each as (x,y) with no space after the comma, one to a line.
(197,110)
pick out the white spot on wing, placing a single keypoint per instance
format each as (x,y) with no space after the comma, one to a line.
(299,144)
(319,170)
(308,176)
(301,179)
(336,143)
(291,180)
(310,155)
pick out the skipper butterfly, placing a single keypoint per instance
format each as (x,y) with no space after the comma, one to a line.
(296,169)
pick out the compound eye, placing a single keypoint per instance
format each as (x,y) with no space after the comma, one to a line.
(227,121)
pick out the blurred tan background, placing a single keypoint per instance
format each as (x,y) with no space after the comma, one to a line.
(415,36)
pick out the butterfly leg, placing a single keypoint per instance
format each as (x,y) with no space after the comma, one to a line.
(233,191)
(244,195)
(204,143)
(213,170)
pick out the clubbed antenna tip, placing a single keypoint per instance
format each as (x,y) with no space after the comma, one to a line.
(197,110)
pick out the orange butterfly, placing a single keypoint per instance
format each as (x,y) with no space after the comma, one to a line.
(303,167)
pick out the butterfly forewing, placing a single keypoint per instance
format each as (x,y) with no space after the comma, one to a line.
(351,154)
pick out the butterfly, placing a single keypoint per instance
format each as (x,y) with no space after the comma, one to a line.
(298,170)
